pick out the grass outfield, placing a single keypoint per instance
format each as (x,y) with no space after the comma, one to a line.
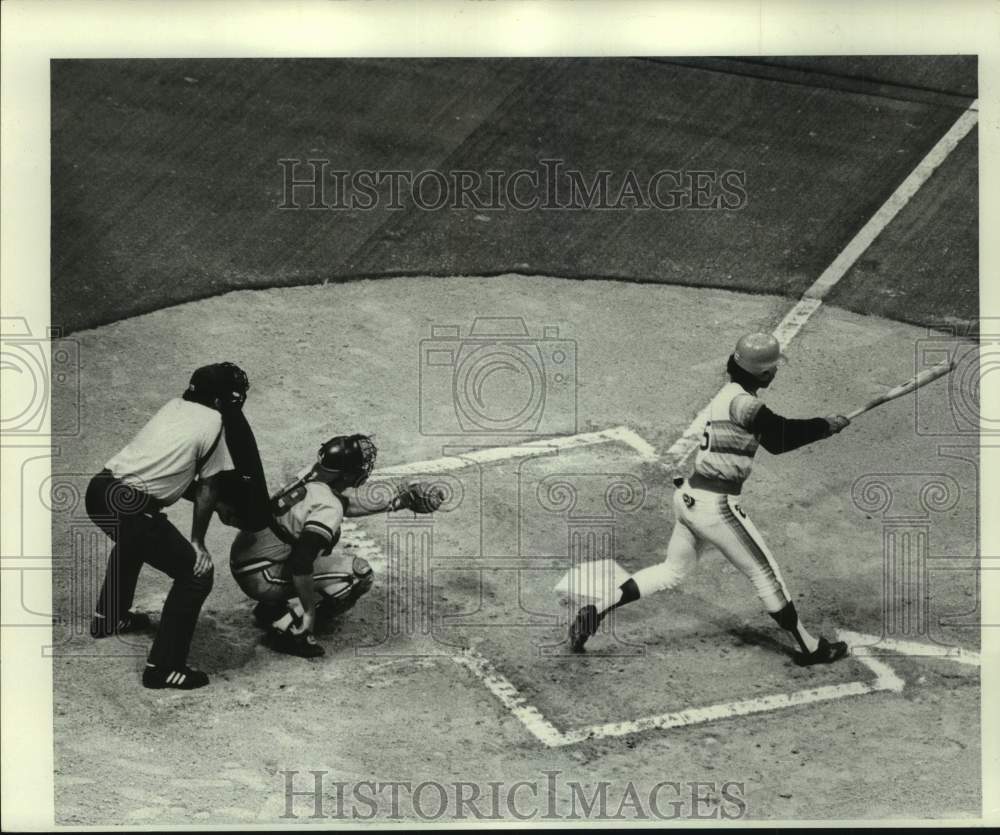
(166,182)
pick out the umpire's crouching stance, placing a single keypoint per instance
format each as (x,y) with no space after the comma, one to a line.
(175,454)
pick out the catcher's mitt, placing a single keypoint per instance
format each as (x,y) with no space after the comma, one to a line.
(420,498)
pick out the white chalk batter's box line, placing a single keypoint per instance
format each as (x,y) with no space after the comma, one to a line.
(885,680)
(528,449)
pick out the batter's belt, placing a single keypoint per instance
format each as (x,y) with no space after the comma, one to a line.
(713,485)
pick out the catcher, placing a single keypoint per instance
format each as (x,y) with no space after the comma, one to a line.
(286,561)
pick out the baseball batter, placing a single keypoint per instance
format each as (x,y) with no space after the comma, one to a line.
(178,453)
(707,507)
(287,563)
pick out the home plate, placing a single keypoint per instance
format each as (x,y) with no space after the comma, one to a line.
(590,581)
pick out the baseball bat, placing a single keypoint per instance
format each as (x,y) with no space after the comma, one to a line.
(922,379)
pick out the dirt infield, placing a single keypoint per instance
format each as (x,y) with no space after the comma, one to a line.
(390,702)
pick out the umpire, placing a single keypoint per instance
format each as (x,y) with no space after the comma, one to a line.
(176,454)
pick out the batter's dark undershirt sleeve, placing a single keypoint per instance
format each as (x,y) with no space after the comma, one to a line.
(304,552)
(779,434)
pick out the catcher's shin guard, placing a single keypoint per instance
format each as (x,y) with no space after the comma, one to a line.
(340,595)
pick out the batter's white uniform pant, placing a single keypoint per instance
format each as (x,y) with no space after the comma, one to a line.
(706,518)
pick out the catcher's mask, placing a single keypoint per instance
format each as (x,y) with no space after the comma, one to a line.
(222,382)
(350,458)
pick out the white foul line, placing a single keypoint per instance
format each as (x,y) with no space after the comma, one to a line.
(892,207)
(813,297)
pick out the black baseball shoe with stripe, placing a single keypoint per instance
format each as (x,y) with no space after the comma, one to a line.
(264,614)
(157,678)
(303,645)
(583,626)
(101,627)
(826,653)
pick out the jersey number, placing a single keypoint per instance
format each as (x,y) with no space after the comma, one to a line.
(705,440)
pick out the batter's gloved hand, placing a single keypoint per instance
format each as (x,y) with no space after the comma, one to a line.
(837,423)
(420,498)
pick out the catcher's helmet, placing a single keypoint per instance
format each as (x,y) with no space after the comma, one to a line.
(224,382)
(758,353)
(348,456)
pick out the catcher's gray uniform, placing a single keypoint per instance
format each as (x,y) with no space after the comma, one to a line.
(259,561)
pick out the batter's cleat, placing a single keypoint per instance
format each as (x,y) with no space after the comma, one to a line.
(184,678)
(303,645)
(100,626)
(583,626)
(826,653)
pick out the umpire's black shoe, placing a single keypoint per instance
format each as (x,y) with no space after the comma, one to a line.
(303,645)
(583,626)
(160,678)
(101,627)
(826,653)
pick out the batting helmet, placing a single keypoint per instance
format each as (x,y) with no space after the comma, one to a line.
(349,456)
(224,382)
(758,353)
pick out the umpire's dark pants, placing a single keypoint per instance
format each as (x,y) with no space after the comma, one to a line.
(143,534)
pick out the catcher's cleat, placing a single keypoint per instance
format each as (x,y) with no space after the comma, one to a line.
(264,614)
(156,678)
(101,627)
(583,626)
(826,653)
(303,645)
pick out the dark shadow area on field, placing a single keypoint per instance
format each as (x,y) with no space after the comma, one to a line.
(166,179)
(754,636)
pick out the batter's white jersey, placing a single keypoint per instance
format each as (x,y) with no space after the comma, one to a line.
(727,444)
(163,458)
(714,517)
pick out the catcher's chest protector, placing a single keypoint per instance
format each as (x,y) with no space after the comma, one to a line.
(292,492)
(295,490)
